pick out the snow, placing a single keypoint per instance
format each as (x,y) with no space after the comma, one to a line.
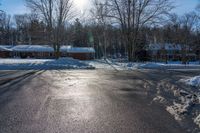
(42,64)
(118,65)
(22,61)
(166,46)
(180,101)
(197,120)
(32,48)
(4,48)
(104,64)
(70,49)
(160,99)
(64,48)
(153,65)
(100,64)
(169,46)
(107,65)
(137,65)
(194,81)
(46,48)
(80,50)
(180,110)
(176,110)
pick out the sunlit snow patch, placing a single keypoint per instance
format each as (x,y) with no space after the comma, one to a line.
(43,64)
(195,81)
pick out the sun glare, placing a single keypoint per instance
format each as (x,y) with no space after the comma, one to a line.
(81,4)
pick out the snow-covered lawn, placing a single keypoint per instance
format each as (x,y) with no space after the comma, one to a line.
(42,64)
(69,63)
(100,64)
(112,65)
(23,61)
(153,65)
(116,64)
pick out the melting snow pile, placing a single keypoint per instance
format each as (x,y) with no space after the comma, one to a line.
(42,64)
(151,66)
(197,120)
(178,110)
(195,81)
(182,102)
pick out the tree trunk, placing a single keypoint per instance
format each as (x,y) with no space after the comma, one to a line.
(130,51)
(57,50)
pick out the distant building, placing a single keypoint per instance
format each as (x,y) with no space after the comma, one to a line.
(44,51)
(82,53)
(33,51)
(5,52)
(172,52)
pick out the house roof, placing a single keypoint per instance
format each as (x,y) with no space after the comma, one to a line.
(70,49)
(64,48)
(166,46)
(32,48)
(81,50)
(46,48)
(5,48)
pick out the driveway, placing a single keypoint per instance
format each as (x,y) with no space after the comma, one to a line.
(83,101)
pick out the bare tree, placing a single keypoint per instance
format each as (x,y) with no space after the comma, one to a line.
(63,10)
(99,13)
(44,8)
(188,24)
(132,15)
(55,13)
(22,25)
(5,28)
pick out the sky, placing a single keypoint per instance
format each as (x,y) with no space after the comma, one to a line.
(184,6)
(18,6)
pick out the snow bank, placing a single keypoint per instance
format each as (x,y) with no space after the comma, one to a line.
(197,120)
(160,99)
(153,65)
(37,64)
(22,61)
(178,110)
(182,102)
(133,65)
(195,81)
(117,65)
(100,64)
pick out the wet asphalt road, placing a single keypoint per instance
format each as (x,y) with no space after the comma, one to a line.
(85,101)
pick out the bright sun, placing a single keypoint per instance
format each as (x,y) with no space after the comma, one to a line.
(81,4)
